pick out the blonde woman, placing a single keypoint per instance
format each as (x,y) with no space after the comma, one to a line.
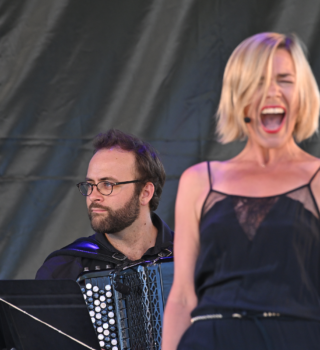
(247,244)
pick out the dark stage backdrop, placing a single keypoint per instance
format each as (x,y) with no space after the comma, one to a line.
(70,69)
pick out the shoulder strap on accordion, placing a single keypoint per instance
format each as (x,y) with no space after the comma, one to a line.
(88,247)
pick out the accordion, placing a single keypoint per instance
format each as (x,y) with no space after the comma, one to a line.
(126,306)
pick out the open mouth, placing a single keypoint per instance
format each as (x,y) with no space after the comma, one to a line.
(272,119)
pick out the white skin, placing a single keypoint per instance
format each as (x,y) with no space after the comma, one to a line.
(117,165)
(271,159)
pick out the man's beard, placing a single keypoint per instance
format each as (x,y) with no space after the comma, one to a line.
(116,220)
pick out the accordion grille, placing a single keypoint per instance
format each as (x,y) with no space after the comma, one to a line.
(136,322)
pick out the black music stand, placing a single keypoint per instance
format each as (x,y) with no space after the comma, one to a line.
(58,303)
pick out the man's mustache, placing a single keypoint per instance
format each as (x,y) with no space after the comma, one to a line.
(97,206)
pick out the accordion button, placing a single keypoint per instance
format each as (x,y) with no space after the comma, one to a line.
(84,297)
(114,348)
(108,287)
(112,321)
(100,337)
(114,342)
(83,290)
(90,300)
(97,309)
(104,319)
(97,302)
(99,329)
(98,316)
(93,320)
(89,293)
(112,329)
(95,289)
(103,305)
(108,346)
(88,285)
(110,307)
(111,314)
(107,339)
(102,298)
(96,295)
(106,332)
(105,326)
(90,307)
(108,294)
(91,313)
(101,343)
(109,301)
(99,323)
(113,335)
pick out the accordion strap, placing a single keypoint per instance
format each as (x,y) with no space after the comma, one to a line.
(88,247)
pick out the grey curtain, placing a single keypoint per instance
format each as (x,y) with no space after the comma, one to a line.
(70,69)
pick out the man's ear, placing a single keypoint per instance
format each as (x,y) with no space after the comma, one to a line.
(146,193)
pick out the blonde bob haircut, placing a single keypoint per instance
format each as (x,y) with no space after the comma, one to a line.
(242,77)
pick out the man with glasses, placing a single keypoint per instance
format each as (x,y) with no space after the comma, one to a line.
(122,189)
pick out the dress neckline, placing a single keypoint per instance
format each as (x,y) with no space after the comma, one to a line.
(255,197)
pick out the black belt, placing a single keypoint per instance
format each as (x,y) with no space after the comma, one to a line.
(254,316)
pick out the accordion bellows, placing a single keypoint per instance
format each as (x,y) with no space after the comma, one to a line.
(130,319)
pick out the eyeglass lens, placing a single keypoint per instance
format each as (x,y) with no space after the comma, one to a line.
(86,188)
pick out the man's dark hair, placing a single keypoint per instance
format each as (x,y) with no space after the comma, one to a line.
(148,165)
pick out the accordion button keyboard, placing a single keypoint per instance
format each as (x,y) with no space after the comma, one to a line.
(88,285)
(89,293)
(98,316)
(97,302)
(106,326)
(106,332)
(103,305)
(108,287)
(97,309)
(108,294)
(101,343)
(112,321)
(100,337)
(91,313)
(111,314)
(102,298)
(95,289)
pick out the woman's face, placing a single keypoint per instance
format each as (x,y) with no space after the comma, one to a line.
(272,122)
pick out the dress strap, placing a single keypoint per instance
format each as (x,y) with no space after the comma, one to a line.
(209,174)
(313,176)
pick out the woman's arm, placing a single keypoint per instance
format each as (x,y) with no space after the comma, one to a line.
(192,190)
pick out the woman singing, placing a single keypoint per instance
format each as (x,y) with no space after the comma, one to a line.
(247,244)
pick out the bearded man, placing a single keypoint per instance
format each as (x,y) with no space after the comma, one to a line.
(122,189)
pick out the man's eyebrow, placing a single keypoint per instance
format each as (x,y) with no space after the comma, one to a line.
(108,178)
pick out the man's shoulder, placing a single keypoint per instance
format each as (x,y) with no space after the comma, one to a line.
(91,247)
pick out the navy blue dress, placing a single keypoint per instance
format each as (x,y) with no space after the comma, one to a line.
(258,255)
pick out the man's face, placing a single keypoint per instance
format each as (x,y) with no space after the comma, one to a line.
(113,213)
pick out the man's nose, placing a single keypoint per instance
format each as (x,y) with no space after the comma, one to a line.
(95,195)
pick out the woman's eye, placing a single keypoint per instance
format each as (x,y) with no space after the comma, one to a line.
(286,82)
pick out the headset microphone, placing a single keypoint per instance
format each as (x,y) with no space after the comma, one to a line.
(247,120)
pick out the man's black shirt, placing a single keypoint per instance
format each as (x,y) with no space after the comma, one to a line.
(95,252)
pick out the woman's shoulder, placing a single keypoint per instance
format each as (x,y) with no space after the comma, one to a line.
(203,169)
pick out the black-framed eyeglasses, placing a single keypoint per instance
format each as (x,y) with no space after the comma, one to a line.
(104,187)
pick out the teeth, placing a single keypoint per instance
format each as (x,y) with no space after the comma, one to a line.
(277,110)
